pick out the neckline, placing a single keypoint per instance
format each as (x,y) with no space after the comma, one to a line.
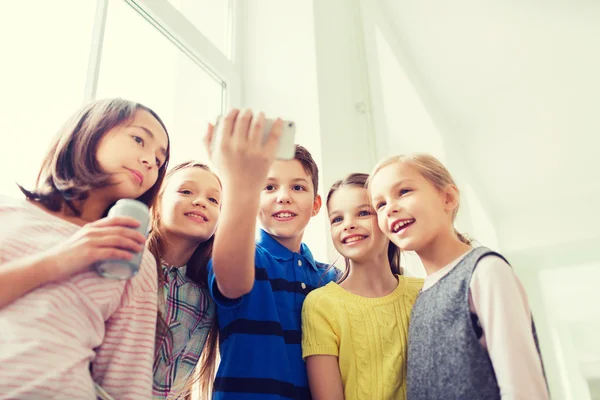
(398,292)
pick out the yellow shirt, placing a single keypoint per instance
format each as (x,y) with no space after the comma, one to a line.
(368,335)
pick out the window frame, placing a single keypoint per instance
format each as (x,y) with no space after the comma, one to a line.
(162,15)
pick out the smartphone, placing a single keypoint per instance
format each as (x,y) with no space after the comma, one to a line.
(287,145)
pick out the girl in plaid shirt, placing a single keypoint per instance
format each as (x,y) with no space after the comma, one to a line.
(184,222)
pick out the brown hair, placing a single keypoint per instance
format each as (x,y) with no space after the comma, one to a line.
(70,169)
(309,165)
(197,271)
(431,169)
(360,180)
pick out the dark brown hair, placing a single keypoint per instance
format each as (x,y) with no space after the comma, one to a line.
(197,271)
(309,165)
(360,180)
(70,168)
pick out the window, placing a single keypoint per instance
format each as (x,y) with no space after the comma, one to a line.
(213,18)
(140,63)
(171,55)
(42,79)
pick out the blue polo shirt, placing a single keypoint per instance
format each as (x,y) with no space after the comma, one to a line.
(260,333)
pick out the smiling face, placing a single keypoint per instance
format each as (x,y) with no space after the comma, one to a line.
(411,211)
(353,221)
(132,154)
(287,203)
(190,204)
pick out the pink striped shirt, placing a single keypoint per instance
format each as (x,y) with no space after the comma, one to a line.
(53,336)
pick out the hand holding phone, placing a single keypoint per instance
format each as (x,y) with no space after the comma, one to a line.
(286,148)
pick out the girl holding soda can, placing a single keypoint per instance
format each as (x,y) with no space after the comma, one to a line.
(64,328)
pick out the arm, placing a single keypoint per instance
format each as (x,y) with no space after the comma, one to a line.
(123,363)
(234,243)
(23,275)
(243,161)
(324,378)
(320,348)
(103,239)
(503,311)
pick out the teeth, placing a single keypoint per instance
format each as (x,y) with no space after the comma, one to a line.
(398,225)
(354,239)
(284,215)
(193,215)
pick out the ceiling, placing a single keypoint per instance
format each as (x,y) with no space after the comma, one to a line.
(517,84)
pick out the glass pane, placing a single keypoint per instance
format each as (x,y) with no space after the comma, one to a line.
(44,65)
(140,64)
(211,17)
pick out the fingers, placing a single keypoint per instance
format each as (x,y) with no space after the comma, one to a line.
(118,242)
(273,139)
(241,129)
(129,222)
(109,253)
(228,123)
(122,232)
(239,137)
(208,138)
(255,136)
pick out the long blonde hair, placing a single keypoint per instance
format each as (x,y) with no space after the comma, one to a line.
(197,271)
(431,169)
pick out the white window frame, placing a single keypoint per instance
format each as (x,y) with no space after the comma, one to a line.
(183,34)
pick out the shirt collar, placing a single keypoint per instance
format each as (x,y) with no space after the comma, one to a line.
(177,273)
(282,253)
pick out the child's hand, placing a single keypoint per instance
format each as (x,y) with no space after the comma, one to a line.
(107,238)
(241,157)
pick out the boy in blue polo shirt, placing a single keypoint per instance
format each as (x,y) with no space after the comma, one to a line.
(259,288)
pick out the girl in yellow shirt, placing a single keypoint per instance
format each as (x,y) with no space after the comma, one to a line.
(354,332)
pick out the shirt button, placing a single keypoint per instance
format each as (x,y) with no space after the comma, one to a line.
(299,263)
(303,285)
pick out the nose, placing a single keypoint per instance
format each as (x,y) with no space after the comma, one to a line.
(349,225)
(392,209)
(198,202)
(283,196)
(147,160)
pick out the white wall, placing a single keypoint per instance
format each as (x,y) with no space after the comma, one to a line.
(334,68)
(279,76)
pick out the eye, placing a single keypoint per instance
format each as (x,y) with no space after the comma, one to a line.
(298,187)
(336,220)
(213,200)
(138,140)
(185,191)
(380,205)
(269,187)
(158,163)
(405,191)
(364,213)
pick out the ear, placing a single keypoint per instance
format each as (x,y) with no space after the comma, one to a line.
(317,203)
(451,197)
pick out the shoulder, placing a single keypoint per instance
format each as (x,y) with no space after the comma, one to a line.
(491,266)
(494,273)
(327,272)
(262,257)
(322,297)
(413,286)
(412,283)
(9,205)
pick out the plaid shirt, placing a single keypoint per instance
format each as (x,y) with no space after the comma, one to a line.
(188,310)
